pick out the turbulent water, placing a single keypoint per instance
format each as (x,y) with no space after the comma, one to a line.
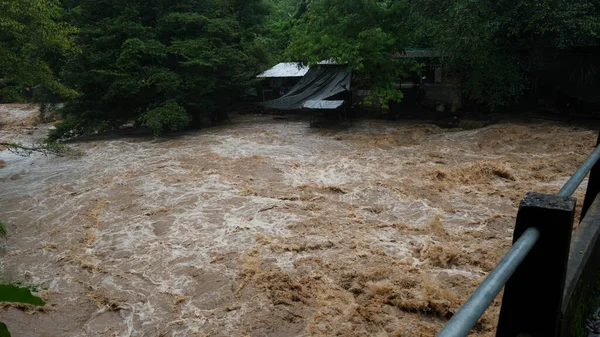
(270,228)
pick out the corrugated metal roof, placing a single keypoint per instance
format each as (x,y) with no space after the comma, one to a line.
(286,69)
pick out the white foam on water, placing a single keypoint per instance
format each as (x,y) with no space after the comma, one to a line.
(142,223)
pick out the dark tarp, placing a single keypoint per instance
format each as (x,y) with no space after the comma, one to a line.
(317,85)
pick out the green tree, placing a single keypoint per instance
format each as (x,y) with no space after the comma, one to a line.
(31,33)
(161,63)
(490,46)
(368,35)
(279,24)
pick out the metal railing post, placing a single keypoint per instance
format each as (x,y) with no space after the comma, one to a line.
(532,300)
(593,187)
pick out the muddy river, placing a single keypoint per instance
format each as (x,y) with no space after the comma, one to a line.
(267,227)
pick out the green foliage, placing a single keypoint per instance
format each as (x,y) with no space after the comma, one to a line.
(31,31)
(9,93)
(486,47)
(141,59)
(279,24)
(369,36)
(170,117)
(4,330)
(489,46)
(127,61)
(17,294)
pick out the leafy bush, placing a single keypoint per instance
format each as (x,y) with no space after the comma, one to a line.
(170,117)
(17,294)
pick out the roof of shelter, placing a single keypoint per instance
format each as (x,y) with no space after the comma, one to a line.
(286,69)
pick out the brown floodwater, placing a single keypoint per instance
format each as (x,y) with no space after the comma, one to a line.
(267,227)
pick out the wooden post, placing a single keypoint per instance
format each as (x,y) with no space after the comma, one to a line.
(533,297)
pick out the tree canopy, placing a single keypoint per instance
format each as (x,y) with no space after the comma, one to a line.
(369,36)
(32,32)
(170,64)
(279,25)
(161,63)
(491,45)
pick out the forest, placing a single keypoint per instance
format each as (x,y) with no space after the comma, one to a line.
(169,65)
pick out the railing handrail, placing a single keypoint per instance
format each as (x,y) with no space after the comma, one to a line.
(577,178)
(472,310)
(468,315)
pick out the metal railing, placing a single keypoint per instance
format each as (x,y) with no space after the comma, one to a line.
(531,234)
(585,168)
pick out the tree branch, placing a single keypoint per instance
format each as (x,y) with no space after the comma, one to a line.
(56,149)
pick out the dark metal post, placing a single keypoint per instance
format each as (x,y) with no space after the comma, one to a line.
(532,300)
(593,187)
